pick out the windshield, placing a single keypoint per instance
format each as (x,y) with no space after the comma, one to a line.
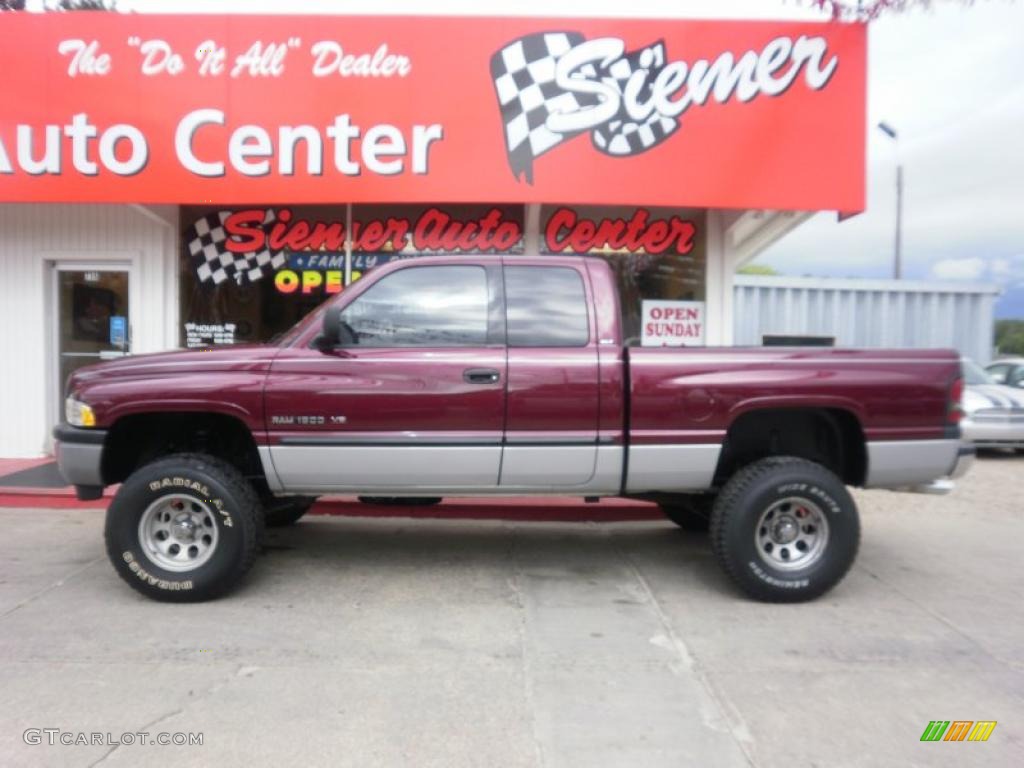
(974,374)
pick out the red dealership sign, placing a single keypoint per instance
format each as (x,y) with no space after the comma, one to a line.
(244,109)
(566,231)
(255,229)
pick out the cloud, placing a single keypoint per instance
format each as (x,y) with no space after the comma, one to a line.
(1001,269)
(959,269)
(959,135)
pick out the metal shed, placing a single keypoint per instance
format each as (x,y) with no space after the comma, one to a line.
(867,313)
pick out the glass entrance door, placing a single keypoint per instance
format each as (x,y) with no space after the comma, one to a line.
(92,318)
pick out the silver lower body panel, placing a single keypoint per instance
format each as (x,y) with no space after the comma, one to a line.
(443,471)
(908,463)
(382,469)
(548,465)
(671,467)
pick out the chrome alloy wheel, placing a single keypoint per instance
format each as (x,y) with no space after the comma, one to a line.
(791,534)
(178,533)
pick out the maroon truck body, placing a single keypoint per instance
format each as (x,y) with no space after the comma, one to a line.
(601,394)
(593,418)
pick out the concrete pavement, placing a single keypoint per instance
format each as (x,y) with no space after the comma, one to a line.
(360,642)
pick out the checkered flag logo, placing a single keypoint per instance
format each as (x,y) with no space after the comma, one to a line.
(214,263)
(524,81)
(622,135)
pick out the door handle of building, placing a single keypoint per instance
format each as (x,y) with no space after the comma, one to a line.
(481,375)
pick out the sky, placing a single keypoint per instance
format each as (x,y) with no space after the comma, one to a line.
(950,82)
(948,79)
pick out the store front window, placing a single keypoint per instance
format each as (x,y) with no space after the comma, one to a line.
(248,274)
(659,256)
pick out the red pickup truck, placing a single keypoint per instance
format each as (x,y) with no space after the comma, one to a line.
(466,376)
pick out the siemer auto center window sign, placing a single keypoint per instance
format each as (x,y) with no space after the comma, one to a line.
(249,273)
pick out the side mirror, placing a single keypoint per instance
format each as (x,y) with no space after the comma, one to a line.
(331,334)
(336,332)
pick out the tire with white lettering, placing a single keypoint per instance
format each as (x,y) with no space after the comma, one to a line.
(785,529)
(184,528)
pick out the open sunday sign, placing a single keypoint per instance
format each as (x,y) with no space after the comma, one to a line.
(672,323)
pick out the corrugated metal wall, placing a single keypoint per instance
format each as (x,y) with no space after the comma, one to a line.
(32,235)
(867,313)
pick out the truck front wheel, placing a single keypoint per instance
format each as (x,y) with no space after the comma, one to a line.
(184,528)
(785,529)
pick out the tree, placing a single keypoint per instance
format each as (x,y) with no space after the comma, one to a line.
(757,269)
(79,5)
(869,10)
(1009,337)
(62,5)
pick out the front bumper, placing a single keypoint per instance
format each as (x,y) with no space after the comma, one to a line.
(79,455)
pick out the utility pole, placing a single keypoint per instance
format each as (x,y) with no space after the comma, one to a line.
(898,260)
(897,264)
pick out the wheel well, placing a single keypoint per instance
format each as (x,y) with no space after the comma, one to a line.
(139,439)
(831,437)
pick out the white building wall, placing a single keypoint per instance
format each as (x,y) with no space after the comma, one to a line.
(32,238)
(868,313)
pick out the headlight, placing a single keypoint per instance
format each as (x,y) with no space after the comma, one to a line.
(79,414)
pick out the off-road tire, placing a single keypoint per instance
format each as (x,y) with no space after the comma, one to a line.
(279,512)
(691,513)
(760,488)
(194,482)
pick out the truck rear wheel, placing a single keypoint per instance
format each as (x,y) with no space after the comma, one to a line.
(785,529)
(691,513)
(184,528)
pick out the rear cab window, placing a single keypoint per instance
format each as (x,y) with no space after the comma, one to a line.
(546,307)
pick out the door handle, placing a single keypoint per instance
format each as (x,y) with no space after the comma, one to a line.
(481,375)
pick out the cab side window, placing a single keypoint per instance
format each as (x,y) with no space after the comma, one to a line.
(437,306)
(546,307)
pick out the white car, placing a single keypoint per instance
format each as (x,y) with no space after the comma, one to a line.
(993,413)
(1008,371)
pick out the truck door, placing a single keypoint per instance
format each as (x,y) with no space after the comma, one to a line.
(553,377)
(418,403)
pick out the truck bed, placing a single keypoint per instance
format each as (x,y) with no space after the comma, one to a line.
(690,396)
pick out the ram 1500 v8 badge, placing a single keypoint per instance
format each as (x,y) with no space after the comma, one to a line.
(444,376)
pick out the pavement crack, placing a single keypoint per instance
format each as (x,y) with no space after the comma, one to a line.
(524,645)
(730,716)
(237,670)
(45,590)
(141,729)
